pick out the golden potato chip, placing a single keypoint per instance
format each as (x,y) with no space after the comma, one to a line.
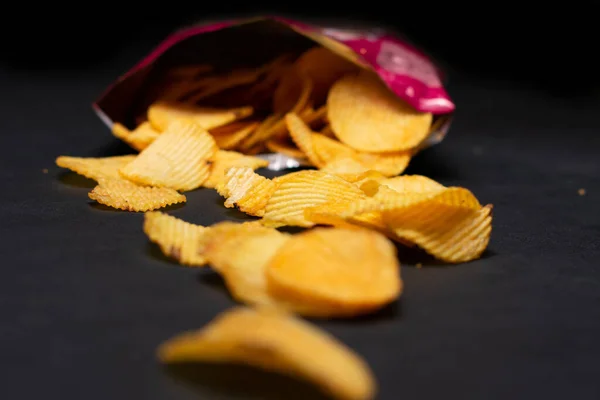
(124,195)
(247,190)
(346,166)
(95,167)
(302,137)
(285,147)
(276,341)
(324,68)
(229,136)
(448,223)
(353,270)
(299,190)
(367,116)
(240,254)
(178,158)
(176,238)
(223,160)
(413,184)
(162,114)
(332,214)
(139,138)
(338,158)
(449,233)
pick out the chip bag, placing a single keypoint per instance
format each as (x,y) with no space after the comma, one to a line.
(245,80)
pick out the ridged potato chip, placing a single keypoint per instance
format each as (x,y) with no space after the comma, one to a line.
(353,270)
(124,195)
(247,190)
(162,114)
(176,238)
(447,222)
(297,191)
(367,116)
(95,167)
(449,233)
(224,160)
(178,158)
(139,138)
(278,342)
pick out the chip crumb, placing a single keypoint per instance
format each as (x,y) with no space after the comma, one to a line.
(419,265)
(45,170)
(581,192)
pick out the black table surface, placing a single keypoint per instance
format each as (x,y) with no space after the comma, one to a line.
(85,299)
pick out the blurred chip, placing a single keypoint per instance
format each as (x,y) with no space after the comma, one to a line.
(176,238)
(139,138)
(95,167)
(224,160)
(354,271)
(231,135)
(247,190)
(279,342)
(162,114)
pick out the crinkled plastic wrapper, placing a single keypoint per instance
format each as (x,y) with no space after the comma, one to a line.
(409,73)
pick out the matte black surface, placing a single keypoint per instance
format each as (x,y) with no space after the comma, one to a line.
(85,299)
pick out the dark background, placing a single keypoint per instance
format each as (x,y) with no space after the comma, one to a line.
(85,300)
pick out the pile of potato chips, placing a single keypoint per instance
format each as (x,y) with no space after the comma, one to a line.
(209,130)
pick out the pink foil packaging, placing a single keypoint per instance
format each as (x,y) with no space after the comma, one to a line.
(410,74)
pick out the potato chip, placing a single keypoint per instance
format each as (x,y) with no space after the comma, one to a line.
(353,270)
(346,166)
(447,222)
(299,190)
(176,238)
(162,114)
(240,254)
(95,167)
(285,147)
(413,184)
(324,68)
(367,116)
(326,152)
(223,160)
(449,233)
(178,158)
(124,195)
(276,341)
(247,190)
(139,138)
(230,136)
(302,137)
